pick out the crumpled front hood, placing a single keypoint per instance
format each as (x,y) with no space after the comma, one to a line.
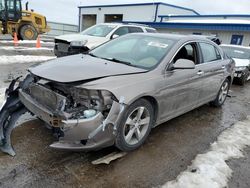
(80,68)
(241,62)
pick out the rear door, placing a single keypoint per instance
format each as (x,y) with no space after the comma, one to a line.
(211,71)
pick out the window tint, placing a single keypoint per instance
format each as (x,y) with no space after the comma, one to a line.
(209,52)
(135,30)
(121,31)
(151,30)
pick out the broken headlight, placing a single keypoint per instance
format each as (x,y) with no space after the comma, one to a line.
(83,103)
(78,43)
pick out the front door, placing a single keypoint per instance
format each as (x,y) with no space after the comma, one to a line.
(180,88)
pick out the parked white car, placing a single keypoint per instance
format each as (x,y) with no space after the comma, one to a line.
(94,36)
(241,56)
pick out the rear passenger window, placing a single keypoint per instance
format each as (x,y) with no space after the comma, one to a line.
(209,52)
(121,31)
(135,30)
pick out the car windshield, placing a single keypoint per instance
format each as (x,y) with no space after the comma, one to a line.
(234,52)
(99,30)
(135,50)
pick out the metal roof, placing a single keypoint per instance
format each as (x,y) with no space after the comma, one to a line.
(199,26)
(140,4)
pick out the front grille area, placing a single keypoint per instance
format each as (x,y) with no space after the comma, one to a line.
(62,47)
(47,97)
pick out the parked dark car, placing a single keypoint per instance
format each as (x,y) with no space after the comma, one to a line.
(120,90)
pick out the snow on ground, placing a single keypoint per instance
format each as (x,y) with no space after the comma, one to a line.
(23,59)
(24,41)
(24,48)
(210,169)
(2,94)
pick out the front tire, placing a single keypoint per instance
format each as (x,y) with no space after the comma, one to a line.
(222,95)
(28,32)
(135,125)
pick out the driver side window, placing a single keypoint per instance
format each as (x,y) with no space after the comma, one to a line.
(187,52)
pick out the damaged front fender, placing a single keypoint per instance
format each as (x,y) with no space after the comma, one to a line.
(9,114)
(96,131)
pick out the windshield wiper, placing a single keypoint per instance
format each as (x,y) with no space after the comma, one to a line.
(119,61)
(92,55)
(114,60)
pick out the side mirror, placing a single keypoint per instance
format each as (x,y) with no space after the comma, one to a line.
(184,64)
(114,36)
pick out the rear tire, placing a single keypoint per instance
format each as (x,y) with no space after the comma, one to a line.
(135,125)
(222,95)
(28,32)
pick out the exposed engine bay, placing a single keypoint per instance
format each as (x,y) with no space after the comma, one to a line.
(81,118)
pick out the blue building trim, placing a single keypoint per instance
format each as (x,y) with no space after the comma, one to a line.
(156,12)
(139,4)
(206,16)
(198,26)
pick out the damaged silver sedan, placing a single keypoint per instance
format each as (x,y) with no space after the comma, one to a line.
(117,92)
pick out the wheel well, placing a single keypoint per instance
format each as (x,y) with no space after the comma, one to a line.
(154,104)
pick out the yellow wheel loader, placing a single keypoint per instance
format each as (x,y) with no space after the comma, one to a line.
(26,24)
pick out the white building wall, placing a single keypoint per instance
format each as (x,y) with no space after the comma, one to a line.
(168,10)
(145,13)
(224,36)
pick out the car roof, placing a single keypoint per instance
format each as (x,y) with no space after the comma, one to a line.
(235,46)
(127,24)
(174,36)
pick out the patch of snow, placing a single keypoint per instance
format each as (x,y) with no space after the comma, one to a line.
(2,96)
(24,59)
(210,169)
(24,42)
(24,48)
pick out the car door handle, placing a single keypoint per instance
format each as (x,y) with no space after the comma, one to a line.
(223,66)
(200,72)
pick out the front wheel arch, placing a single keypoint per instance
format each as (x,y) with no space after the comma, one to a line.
(127,124)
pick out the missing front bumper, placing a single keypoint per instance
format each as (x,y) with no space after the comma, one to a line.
(78,134)
(97,132)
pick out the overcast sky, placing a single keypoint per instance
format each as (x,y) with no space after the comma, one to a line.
(66,11)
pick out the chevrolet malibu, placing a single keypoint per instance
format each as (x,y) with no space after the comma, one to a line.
(118,92)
